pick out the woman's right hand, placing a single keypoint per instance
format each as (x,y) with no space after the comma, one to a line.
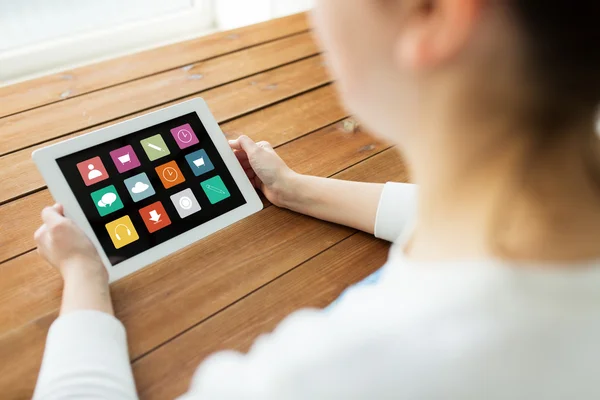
(66,247)
(265,169)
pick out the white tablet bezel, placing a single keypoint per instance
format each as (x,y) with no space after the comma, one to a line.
(45,160)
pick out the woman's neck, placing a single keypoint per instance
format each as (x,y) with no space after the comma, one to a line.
(500,196)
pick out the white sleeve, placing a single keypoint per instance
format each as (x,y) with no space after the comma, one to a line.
(312,354)
(397,206)
(86,357)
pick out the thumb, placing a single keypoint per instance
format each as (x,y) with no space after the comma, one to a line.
(59,209)
(248,145)
(51,215)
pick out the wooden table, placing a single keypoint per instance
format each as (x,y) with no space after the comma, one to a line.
(267,81)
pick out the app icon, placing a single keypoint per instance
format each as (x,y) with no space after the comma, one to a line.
(170,174)
(139,187)
(107,200)
(184,136)
(155,217)
(185,203)
(199,162)
(155,147)
(215,189)
(125,159)
(122,232)
(92,171)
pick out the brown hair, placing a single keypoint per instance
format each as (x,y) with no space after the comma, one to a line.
(562,44)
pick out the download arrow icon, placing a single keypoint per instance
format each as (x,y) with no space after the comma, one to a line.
(155,216)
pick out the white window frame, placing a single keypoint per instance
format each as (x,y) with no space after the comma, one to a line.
(203,17)
(90,47)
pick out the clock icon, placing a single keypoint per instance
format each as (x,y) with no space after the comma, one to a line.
(184,135)
(170,174)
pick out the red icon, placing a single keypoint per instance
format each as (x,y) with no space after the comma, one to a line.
(155,217)
(92,171)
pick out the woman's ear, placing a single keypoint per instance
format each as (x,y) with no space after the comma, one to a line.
(435,31)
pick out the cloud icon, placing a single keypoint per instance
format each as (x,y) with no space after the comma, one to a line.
(139,187)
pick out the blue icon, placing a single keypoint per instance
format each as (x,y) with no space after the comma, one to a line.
(199,162)
(139,187)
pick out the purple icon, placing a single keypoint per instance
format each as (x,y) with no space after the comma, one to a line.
(125,159)
(184,136)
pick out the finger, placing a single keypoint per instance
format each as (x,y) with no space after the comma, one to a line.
(241,155)
(39,233)
(59,209)
(235,144)
(259,185)
(51,217)
(246,164)
(250,173)
(248,145)
(256,182)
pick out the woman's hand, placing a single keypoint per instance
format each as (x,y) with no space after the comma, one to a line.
(66,247)
(352,204)
(265,169)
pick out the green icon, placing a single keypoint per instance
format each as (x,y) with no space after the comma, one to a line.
(107,200)
(155,147)
(215,189)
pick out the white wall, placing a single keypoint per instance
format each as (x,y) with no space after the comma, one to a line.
(28,22)
(231,14)
(38,37)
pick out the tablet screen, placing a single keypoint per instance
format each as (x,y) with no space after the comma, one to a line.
(150,186)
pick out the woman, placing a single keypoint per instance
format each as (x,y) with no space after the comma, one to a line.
(494,292)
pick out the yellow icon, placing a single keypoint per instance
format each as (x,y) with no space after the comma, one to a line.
(122,232)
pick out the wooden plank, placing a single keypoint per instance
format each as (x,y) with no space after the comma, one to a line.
(156,303)
(59,119)
(20,302)
(24,345)
(166,372)
(20,176)
(71,83)
(312,154)
(304,114)
(381,168)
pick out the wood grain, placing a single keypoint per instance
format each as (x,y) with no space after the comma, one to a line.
(17,307)
(265,81)
(158,302)
(24,344)
(166,372)
(45,123)
(381,168)
(20,175)
(71,83)
(306,113)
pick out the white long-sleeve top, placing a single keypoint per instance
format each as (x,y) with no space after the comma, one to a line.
(469,330)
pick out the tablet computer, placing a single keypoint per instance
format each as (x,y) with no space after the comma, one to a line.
(149,186)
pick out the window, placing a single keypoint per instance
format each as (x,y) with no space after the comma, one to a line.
(38,37)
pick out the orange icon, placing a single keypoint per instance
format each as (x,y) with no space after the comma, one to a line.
(170,174)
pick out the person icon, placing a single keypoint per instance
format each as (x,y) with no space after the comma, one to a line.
(94,173)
